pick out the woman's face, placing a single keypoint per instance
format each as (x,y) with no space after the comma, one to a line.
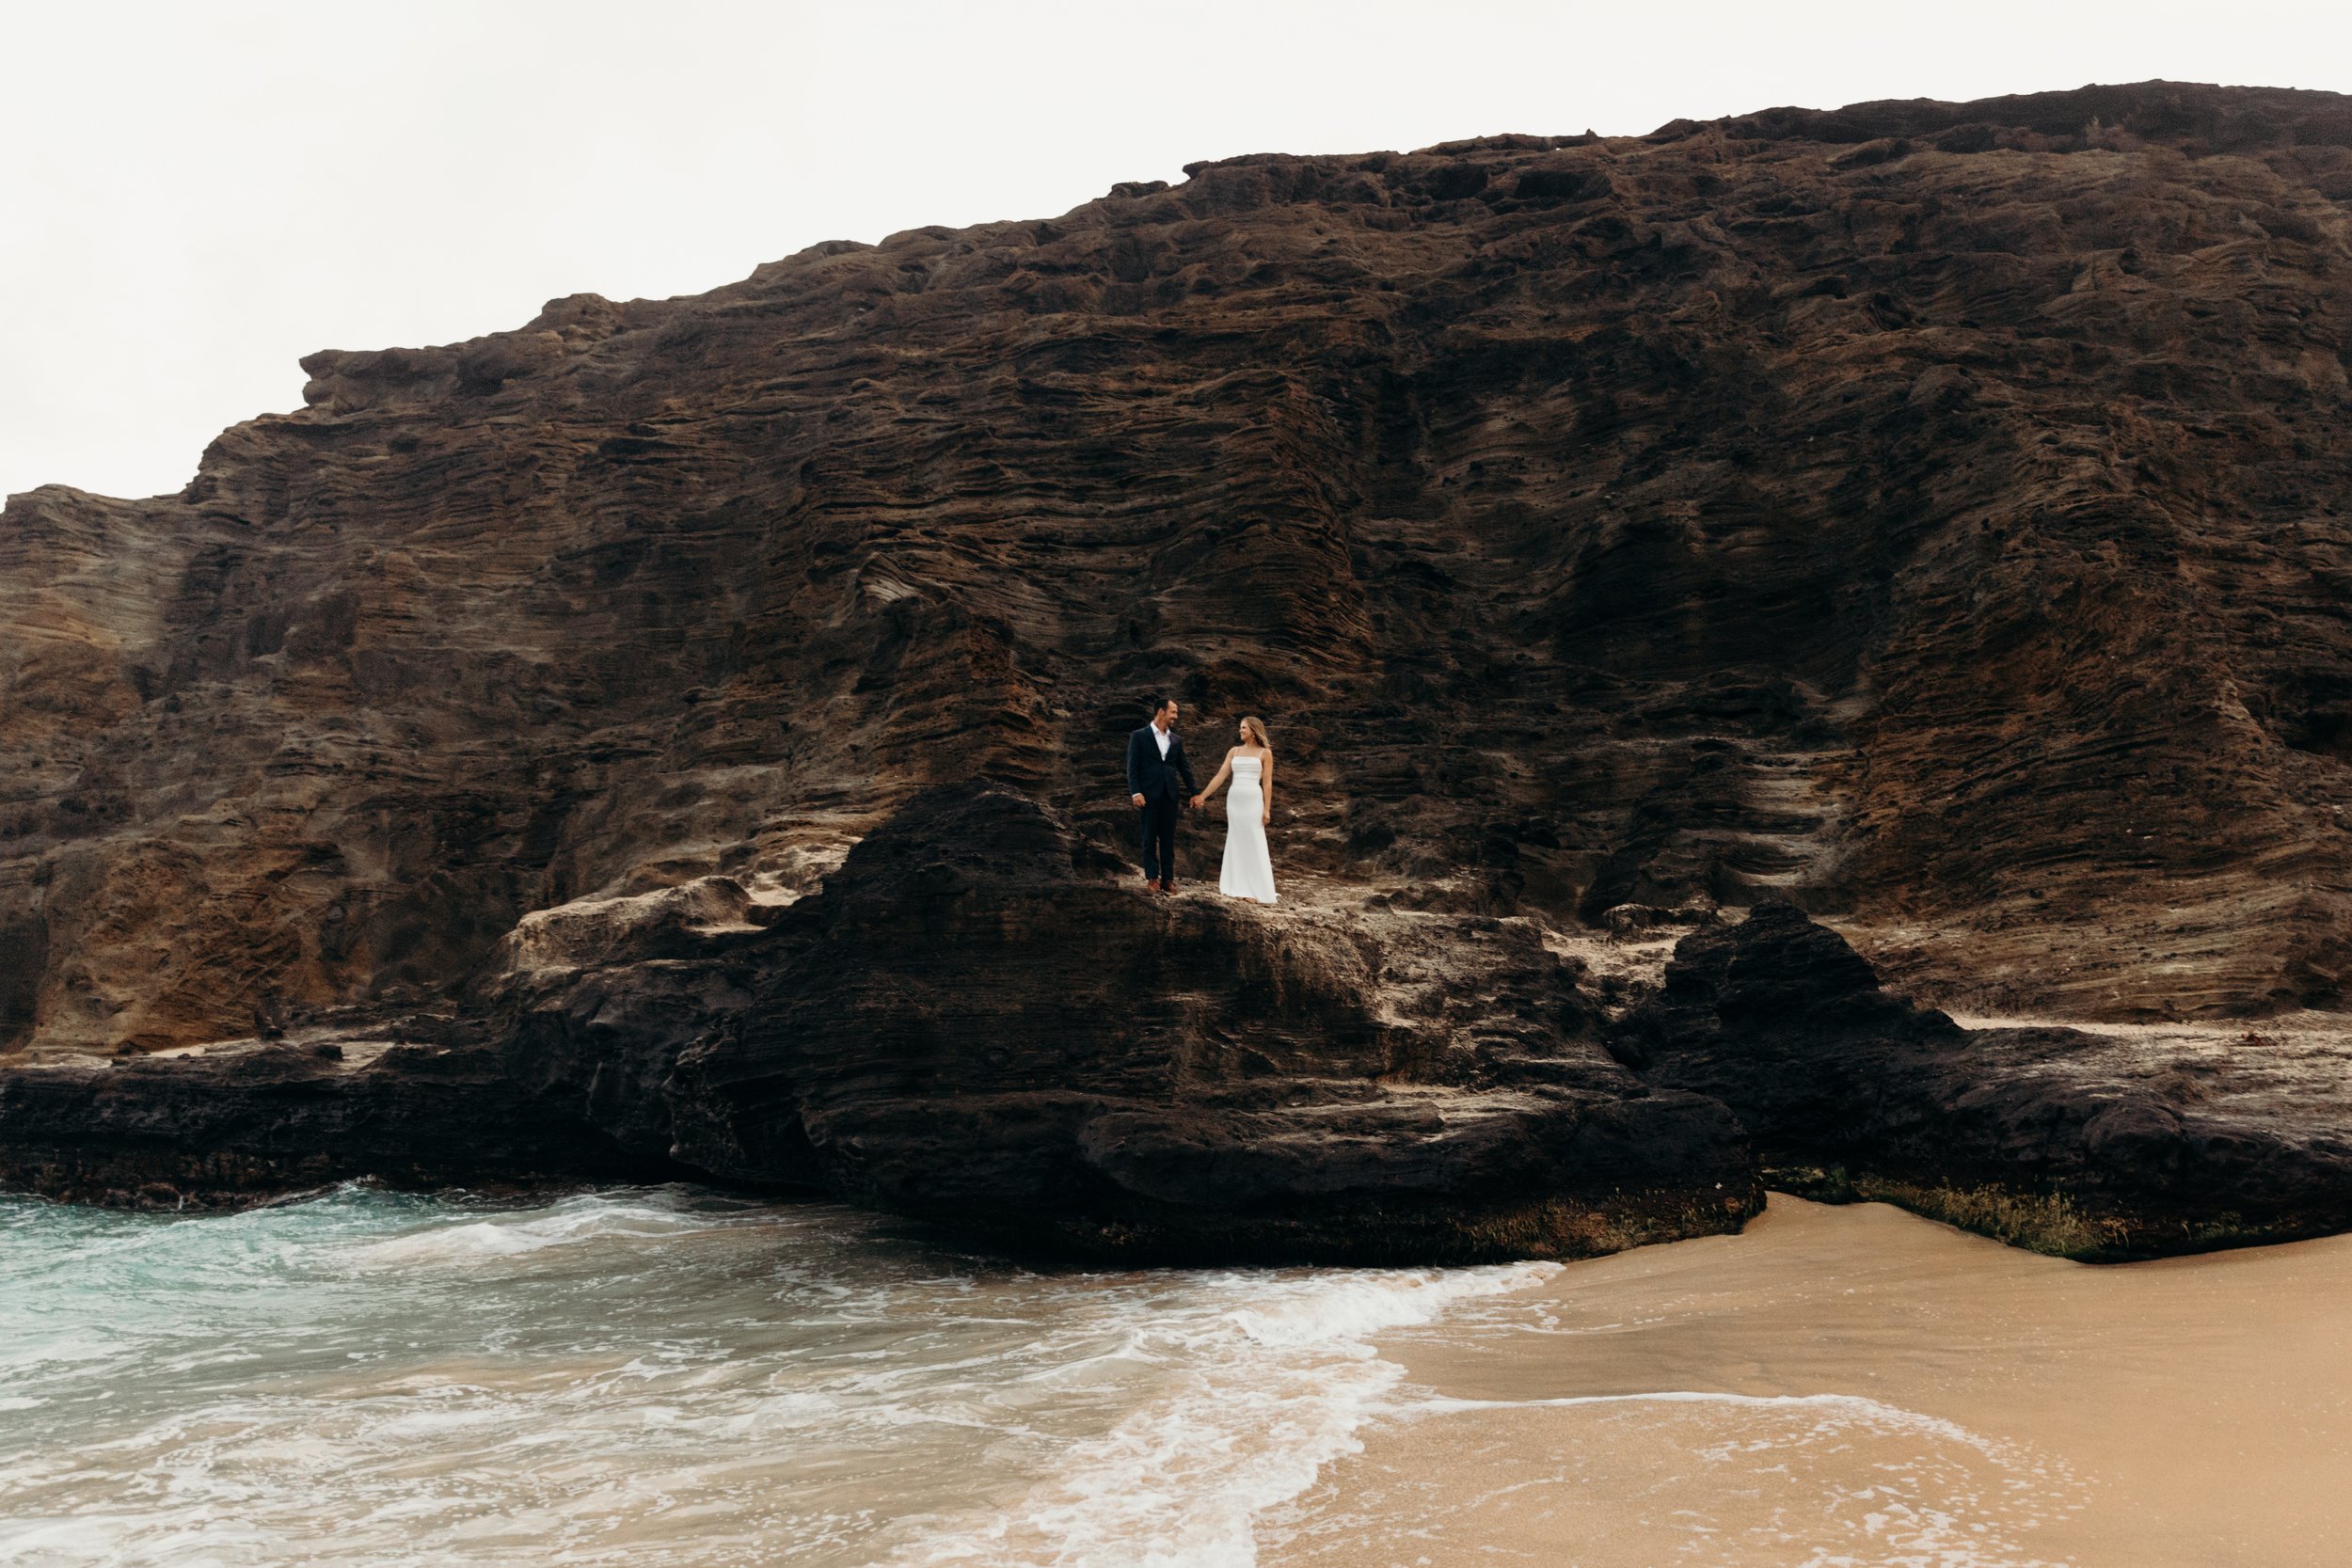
(1242,731)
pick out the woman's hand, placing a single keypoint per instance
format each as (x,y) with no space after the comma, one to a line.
(1196,802)
(1265,818)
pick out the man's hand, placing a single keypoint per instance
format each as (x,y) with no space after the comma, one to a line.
(1196,802)
(1136,799)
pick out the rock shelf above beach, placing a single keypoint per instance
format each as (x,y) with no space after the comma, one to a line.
(252,1123)
(979,1019)
(983,1021)
(2091,1145)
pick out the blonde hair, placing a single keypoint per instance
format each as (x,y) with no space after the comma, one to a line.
(1256,731)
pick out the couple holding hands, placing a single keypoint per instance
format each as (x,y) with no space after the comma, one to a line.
(1155,765)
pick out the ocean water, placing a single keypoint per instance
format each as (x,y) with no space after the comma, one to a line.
(675,1376)
(656,1376)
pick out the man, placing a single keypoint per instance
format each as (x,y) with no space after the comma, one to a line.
(1157,766)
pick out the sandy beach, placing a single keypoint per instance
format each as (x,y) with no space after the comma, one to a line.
(1857,1385)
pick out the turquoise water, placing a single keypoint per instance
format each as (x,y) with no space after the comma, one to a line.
(653,1376)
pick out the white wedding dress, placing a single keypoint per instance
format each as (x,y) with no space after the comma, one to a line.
(1249,871)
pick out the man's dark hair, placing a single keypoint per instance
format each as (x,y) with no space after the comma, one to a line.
(1159,702)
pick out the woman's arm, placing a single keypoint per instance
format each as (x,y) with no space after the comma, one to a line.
(1265,790)
(1222,768)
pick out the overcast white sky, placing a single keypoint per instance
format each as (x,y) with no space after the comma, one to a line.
(194,195)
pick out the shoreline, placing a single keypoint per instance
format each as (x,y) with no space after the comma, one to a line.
(1859,1384)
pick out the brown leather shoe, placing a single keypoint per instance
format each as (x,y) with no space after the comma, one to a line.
(1151,884)
(1168,886)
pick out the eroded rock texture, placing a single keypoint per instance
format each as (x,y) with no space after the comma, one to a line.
(1930,513)
(982,1021)
(2070,1141)
(244,1125)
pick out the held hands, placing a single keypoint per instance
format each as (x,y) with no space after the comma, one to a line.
(1196,802)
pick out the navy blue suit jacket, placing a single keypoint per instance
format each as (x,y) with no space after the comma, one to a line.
(1154,777)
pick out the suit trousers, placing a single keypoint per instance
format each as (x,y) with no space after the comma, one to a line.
(1159,839)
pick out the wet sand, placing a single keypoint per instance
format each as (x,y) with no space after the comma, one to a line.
(1858,1386)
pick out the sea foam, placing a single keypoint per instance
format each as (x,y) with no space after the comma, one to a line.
(655,1377)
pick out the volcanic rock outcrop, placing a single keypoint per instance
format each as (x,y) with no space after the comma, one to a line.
(975,1022)
(1932,516)
(2071,1141)
(245,1126)
(981,1020)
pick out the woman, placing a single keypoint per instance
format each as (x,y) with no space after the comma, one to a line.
(1248,868)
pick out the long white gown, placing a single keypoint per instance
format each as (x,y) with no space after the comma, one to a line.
(1248,870)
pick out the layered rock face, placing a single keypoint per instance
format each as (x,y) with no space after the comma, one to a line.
(1931,514)
(980,1020)
(1927,515)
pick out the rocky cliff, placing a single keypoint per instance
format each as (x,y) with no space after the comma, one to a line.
(1931,516)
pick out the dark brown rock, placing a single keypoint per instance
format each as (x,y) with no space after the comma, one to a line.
(2093,1146)
(1951,536)
(233,1127)
(983,1020)
(1930,514)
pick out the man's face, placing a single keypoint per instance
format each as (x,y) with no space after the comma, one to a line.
(1168,716)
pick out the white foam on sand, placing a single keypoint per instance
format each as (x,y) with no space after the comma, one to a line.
(660,1379)
(1809,1480)
(1855,1407)
(1267,1378)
